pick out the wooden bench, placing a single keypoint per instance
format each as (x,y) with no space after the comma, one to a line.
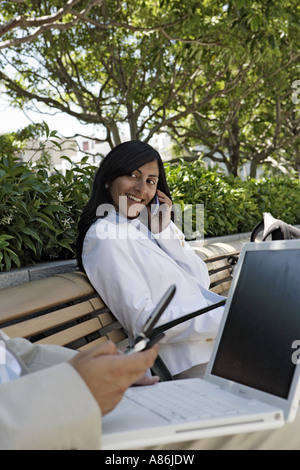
(220,269)
(62,309)
(65,310)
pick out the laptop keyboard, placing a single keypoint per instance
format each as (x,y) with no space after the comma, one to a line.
(182,402)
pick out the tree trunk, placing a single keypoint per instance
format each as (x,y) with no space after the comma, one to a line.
(253,168)
(297,160)
(232,143)
(115,133)
(235,146)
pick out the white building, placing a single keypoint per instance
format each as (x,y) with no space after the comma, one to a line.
(77,148)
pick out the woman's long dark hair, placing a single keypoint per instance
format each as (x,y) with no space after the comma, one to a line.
(120,161)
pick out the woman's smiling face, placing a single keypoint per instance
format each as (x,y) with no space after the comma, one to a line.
(131,192)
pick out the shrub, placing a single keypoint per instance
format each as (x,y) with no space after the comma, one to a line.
(278,195)
(230,204)
(225,203)
(39,211)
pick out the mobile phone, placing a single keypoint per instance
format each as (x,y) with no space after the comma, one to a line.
(155,205)
(144,339)
(144,344)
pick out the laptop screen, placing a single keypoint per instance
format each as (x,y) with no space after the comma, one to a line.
(263,321)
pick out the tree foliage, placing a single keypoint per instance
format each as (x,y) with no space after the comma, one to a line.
(213,74)
(39,209)
(258,118)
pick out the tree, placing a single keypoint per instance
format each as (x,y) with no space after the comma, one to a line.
(258,118)
(210,73)
(63,18)
(256,121)
(135,64)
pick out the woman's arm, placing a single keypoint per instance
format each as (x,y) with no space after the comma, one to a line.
(172,242)
(131,275)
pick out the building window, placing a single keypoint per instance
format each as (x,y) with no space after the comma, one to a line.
(85,146)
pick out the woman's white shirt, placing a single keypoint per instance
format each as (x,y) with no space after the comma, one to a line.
(131,270)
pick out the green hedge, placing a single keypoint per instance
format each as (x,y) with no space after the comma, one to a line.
(230,204)
(39,211)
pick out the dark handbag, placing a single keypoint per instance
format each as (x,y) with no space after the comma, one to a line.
(276,228)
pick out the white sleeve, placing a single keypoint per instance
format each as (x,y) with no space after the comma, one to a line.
(113,272)
(38,356)
(50,407)
(122,272)
(172,241)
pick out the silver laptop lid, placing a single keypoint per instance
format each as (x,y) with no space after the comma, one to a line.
(255,352)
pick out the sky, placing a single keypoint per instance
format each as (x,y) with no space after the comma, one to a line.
(12,119)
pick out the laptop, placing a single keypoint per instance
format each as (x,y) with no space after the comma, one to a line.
(252,378)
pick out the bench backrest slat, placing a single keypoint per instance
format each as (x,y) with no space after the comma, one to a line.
(47,321)
(64,309)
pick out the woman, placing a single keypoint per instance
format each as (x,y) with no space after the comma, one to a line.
(143,253)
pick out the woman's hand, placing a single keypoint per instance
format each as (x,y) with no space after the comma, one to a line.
(147,380)
(160,221)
